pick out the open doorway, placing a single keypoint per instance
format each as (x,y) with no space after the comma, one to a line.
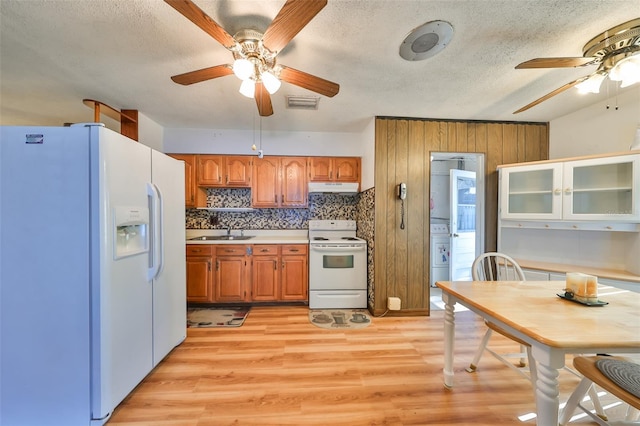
(456,214)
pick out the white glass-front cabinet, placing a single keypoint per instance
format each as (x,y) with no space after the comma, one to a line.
(598,189)
(531,192)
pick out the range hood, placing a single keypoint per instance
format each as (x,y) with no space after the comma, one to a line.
(334,187)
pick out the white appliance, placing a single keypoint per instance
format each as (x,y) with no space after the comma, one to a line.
(440,252)
(337,265)
(92,271)
(348,188)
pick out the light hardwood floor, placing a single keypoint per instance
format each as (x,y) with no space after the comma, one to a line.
(279,369)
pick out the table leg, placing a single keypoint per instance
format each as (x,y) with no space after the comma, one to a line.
(449,338)
(549,361)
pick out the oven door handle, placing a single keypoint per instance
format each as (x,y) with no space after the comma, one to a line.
(326,248)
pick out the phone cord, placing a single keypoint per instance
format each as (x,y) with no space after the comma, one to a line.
(401,214)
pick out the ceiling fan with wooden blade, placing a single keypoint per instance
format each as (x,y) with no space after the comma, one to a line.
(615,51)
(255,53)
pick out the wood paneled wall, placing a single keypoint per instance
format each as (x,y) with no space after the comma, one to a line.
(403,149)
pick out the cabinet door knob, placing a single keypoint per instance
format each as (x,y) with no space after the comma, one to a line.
(567,191)
(557,191)
(275,265)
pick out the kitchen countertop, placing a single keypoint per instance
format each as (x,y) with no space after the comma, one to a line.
(260,236)
(563,268)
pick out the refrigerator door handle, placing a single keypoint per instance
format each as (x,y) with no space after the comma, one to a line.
(159,230)
(155,251)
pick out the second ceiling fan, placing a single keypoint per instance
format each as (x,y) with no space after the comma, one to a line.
(255,53)
(616,51)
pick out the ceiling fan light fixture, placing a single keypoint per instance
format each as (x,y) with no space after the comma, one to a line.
(626,71)
(243,68)
(591,84)
(270,81)
(248,88)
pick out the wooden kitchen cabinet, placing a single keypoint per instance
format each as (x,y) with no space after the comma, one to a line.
(280,272)
(334,169)
(193,196)
(225,171)
(199,273)
(232,273)
(266,273)
(294,281)
(279,182)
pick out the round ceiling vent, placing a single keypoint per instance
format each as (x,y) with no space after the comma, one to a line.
(426,40)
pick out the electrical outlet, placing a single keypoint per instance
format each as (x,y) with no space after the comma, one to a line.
(393,303)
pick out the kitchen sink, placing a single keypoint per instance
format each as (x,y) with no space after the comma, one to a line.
(221,238)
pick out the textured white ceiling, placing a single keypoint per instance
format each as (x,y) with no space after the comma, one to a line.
(54,53)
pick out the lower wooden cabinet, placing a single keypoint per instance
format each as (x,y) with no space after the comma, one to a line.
(280,272)
(294,278)
(199,273)
(233,273)
(266,273)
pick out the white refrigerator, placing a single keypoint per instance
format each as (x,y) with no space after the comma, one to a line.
(92,271)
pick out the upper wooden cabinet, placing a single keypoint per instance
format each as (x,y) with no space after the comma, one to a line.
(279,182)
(334,169)
(191,194)
(224,171)
(275,181)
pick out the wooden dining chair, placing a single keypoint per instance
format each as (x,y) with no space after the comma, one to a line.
(493,266)
(616,375)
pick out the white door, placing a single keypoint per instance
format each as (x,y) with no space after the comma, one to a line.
(122,326)
(169,284)
(463,224)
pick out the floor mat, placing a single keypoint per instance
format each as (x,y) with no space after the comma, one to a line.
(333,319)
(216,317)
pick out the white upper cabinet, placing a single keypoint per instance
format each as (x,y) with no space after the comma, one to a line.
(593,189)
(531,192)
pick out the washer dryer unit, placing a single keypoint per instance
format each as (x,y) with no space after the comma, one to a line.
(440,246)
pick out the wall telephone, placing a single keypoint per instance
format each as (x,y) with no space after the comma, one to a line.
(402,191)
(402,195)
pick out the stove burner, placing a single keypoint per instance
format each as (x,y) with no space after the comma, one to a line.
(350,238)
(320,239)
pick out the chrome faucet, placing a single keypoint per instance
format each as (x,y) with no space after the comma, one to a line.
(228,230)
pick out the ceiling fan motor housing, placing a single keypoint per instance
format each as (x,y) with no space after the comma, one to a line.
(614,44)
(250,47)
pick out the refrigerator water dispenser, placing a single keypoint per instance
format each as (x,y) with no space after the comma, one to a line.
(131,225)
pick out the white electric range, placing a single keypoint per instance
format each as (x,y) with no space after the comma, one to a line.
(337,265)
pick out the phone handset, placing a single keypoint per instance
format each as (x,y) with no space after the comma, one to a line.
(402,191)
(402,195)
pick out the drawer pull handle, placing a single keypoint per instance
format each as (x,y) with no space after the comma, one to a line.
(294,250)
(196,251)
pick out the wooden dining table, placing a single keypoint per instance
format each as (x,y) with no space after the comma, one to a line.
(554,327)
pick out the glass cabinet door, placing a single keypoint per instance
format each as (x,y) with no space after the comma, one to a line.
(602,189)
(531,192)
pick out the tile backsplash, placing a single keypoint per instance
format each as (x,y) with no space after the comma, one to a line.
(321,206)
